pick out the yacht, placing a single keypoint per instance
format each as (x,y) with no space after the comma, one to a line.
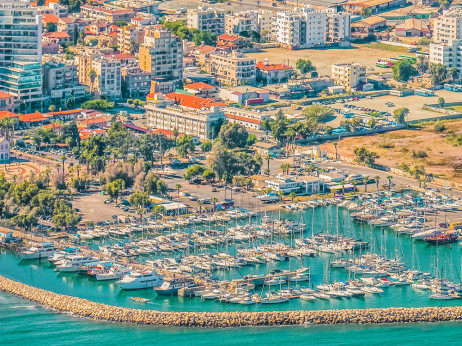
(74,262)
(170,287)
(140,279)
(43,250)
(115,273)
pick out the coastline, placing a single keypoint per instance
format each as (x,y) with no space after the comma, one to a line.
(88,309)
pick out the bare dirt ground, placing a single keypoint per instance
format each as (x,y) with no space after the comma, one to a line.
(92,206)
(324,58)
(397,147)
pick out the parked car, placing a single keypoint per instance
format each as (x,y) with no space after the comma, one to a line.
(446,187)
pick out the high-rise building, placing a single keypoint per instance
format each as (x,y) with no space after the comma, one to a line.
(306,27)
(449,54)
(349,76)
(162,55)
(21,53)
(232,69)
(448,27)
(207,19)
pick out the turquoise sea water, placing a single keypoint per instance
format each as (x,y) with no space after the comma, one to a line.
(21,320)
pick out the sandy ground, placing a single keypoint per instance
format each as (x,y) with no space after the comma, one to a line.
(441,155)
(92,206)
(324,58)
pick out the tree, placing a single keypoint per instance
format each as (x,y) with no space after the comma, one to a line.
(366,12)
(335,146)
(453,73)
(158,210)
(377,180)
(364,156)
(438,72)
(285,168)
(178,187)
(25,221)
(52,108)
(93,76)
(422,64)
(366,180)
(390,178)
(317,113)
(441,102)
(208,175)
(233,136)
(75,35)
(292,196)
(268,157)
(193,172)
(206,146)
(185,145)
(98,104)
(403,71)
(51,27)
(400,114)
(305,66)
(70,134)
(140,201)
(342,184)
(70,103)
(113,189)
(205,37)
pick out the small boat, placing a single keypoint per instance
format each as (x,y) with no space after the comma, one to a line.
(442,296)
(307,297)
(139,299)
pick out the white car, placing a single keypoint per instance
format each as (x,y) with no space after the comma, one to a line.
(446,187)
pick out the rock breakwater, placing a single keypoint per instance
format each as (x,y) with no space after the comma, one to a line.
(88,309)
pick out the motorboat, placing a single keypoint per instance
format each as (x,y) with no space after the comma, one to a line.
(39,251)
(139,299)
(170,287)
(74,262)
(140,279)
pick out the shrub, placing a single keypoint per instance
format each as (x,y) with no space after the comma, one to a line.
(420,154)
(440,127)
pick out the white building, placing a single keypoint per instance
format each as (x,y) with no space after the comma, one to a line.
(307,28)
(450,55)
(266,23)
(207,19)
(448,27)
(232,69)
(21,52)
(190,115)
(303,185)
(236,23)
(4,150)
(349,76)
(246,118)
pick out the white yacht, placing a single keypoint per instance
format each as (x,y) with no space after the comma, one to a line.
(115,273)
(43,250)
(140,279)
(74,262)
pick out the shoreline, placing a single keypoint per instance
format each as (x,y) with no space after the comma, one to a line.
(102,312)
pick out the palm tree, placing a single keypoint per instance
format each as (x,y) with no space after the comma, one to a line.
(292,196)
(77,168)
(214,200)
(178,187)
(354,183)
(366,180)
(453,73)
(63,159)
(342,183)
(335,146)
(377,179)
(199,204)
(389,177)
(92,79)
(268,158)
(334,191)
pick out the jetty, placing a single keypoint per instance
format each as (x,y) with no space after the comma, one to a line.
(87,309)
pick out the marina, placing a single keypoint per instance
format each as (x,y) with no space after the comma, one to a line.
(309,258)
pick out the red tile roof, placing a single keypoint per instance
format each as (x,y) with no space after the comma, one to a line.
(58,34)
(206,49)
(90,121)
(49,18)
(191,101)
(272,67)
(199,86)
(4,95)
(241,118)
(228,37)
(8,114)
(52,126)
(32,117)
(71,111)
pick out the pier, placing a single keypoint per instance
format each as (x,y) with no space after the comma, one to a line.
(97,311)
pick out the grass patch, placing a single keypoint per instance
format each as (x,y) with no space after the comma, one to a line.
(455,108)
(388,47)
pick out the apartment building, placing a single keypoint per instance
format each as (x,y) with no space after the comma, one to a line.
(236,23)
(266,23)
(162,55)
(450,55)
(99,12)
(68,24)
(273,73)
(21,52)
(190,115)
(232,69)
(307,28)
(102,74)
(61,82)
(135,82)
(349,76)
(448,27)
(246,118)
(130,38)
(144,6)
(207,19)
